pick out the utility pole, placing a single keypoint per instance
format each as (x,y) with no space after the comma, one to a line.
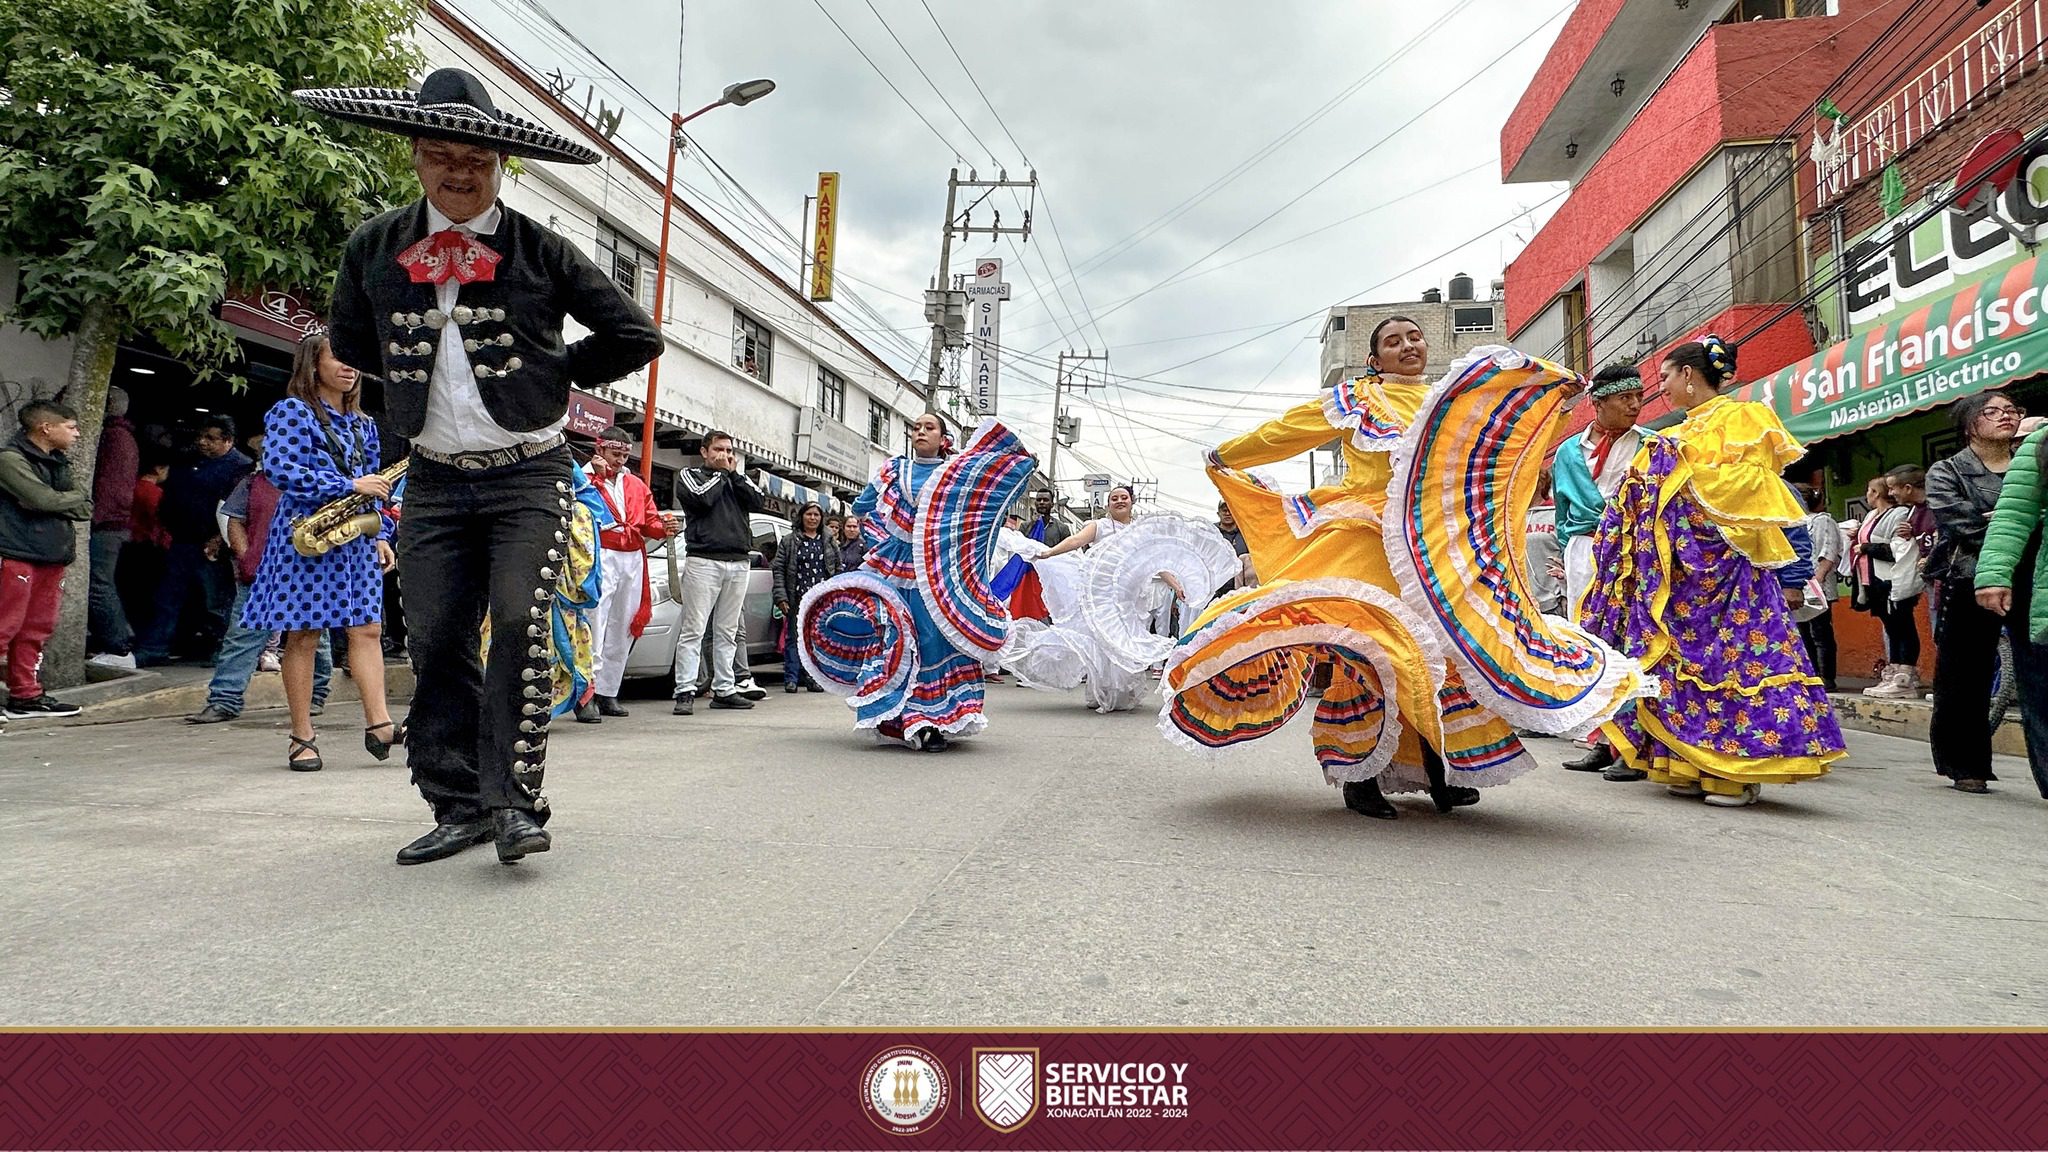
(944,304)
(1067,429)
(803,254)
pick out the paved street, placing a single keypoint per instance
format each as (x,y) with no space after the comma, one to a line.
(773,868)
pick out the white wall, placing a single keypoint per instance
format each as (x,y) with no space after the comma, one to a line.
(25,359)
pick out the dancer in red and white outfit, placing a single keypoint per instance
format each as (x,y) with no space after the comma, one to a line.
(624,607)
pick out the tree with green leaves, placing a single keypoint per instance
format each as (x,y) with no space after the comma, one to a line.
(152,162)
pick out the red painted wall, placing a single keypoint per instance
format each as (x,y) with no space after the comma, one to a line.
(1759,351)
(1742,82)
(1575,44)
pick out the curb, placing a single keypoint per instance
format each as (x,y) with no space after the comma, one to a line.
(1909,720)
(149,696)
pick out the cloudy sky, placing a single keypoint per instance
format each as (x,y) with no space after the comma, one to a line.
(1207,295)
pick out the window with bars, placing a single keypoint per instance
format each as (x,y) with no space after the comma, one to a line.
(629,265)
(753,346)
(878,424)
(1472,318)
(832,393)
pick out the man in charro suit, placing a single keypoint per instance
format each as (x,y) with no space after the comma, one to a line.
(452,308)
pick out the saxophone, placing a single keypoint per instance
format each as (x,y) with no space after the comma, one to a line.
(340,521)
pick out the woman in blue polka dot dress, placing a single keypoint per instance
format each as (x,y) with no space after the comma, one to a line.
(317,448)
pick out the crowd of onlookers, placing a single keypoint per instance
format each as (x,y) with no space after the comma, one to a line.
(178,522)
(175,528)
(1961,538)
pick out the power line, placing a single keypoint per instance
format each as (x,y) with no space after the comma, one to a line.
(1248,163)
(1381,206)
(957,154)
(1348,164)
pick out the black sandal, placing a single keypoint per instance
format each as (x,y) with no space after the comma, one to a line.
(381,749)
(311,763)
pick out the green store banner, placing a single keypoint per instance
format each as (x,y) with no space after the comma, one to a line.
(1985,334)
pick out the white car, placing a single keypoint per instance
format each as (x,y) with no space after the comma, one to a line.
(654,653)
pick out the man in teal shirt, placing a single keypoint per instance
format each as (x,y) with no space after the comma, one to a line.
(1588,468)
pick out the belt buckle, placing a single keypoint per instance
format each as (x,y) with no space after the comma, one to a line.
(470,462)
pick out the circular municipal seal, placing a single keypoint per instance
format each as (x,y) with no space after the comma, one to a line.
(904,1090)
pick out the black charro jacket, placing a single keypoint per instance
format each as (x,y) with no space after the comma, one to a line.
(378,323)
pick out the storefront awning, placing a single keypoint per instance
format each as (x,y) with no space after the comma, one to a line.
(1985,334)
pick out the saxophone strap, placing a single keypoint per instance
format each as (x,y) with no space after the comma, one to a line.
(349,460)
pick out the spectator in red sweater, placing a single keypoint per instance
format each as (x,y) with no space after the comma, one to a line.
(119,465)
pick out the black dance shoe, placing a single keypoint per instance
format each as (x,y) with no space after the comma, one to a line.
(445,841)
(517,835)
(609,706)
(1600,757)
(1364,797)
(1449,796)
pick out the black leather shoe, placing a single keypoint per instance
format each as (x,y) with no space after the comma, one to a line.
(1600,757)
(1453,796)
(211,714)
(587,713)
(1365,798)
(685,705)
(517,835)
(445,841)
(1621,773)
(932,740)
(731,700)
(609,706)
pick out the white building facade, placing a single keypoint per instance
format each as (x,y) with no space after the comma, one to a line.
(813,409)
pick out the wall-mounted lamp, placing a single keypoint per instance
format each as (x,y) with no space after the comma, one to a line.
(1617,86)
(1571,148)
(1684,4)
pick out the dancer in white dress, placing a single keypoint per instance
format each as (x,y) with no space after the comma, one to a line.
(1104,602)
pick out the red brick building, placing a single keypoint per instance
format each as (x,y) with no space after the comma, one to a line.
(1707,195)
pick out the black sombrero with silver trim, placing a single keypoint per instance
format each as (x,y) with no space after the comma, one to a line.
(450,105)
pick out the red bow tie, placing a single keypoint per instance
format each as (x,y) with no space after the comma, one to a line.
(449,253)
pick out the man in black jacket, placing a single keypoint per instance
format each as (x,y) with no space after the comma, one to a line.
(39,506)
(718,534)
(452,307)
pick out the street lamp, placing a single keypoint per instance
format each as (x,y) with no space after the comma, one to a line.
(738,95)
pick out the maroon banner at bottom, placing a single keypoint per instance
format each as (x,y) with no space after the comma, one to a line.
(616,1090)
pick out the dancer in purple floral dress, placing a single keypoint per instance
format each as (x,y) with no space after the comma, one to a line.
(1686,548)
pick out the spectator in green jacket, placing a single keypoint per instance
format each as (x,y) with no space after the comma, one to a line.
(2009,569)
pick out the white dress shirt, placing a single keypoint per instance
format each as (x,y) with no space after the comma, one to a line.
(457,420)
(1618,459)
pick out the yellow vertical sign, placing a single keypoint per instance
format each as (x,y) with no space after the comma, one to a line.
(823,228)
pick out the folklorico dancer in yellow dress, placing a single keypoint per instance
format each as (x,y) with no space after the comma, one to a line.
(1685,552)
(1408,577)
